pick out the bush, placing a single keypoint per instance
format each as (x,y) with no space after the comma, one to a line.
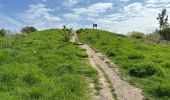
(143,70)
(165,34)
(162,91)
(31,79)
(8,78)
(166,65)
(82,55)
(137,35)
(66,35)
(28,29)
(111,53)
(2,32)
(35,94)
(135,56)
(153,37)
(79,31)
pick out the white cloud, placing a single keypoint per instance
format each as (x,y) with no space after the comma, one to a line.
(157,1)
(133,17)
(80,17)
(40,16)
(133,8)
(40,11)
(94,9)
(71,3)
(71,16)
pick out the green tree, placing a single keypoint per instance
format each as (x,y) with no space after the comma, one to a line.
(2,32)
(163,24)
(166,33)
(28,29)
(163,19)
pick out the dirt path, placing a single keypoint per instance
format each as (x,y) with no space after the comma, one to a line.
(123,89)
(105,91)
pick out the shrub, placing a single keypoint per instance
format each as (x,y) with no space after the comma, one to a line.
(79,31)
(8,77)
(166,65)
(135,56)
(165,33)
(137,35)
(143,70)
(31,79)
(2,32)
(28,29)
(153,37)
(111,53)
(162,91)
(66,35)
(82,55)
(35,94)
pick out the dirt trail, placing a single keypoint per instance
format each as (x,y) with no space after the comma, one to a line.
(123,89)
(105,91)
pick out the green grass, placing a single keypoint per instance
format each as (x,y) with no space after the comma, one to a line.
(41,66)
(145,65)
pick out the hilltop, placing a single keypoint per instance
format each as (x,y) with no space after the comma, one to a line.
(46,65)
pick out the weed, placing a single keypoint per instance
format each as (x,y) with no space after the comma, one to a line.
(143,70)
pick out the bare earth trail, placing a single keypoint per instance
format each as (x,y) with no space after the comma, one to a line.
(123,89)
(105,91)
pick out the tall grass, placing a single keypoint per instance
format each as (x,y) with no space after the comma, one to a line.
(145,64)
(40,66)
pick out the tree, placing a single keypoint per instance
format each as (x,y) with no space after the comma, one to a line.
(163,19)
(166,34)
(2,32)
(28,29)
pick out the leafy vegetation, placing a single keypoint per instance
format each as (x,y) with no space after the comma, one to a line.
(144,64)
(164,25)
(28,29)
(166,33)
(40,66)
(2,32)
(137,35)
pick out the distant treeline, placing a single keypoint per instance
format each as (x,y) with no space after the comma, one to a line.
(27,29)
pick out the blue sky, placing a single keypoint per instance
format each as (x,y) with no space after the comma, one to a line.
(121,16)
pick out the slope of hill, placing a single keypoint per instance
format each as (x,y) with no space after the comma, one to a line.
(42,66)
(143,64)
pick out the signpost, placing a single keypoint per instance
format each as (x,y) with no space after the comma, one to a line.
(94,26)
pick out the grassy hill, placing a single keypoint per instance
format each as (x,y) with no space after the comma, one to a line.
(144,64)
(41,65)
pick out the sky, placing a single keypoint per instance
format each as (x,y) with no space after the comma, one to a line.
(120,16)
